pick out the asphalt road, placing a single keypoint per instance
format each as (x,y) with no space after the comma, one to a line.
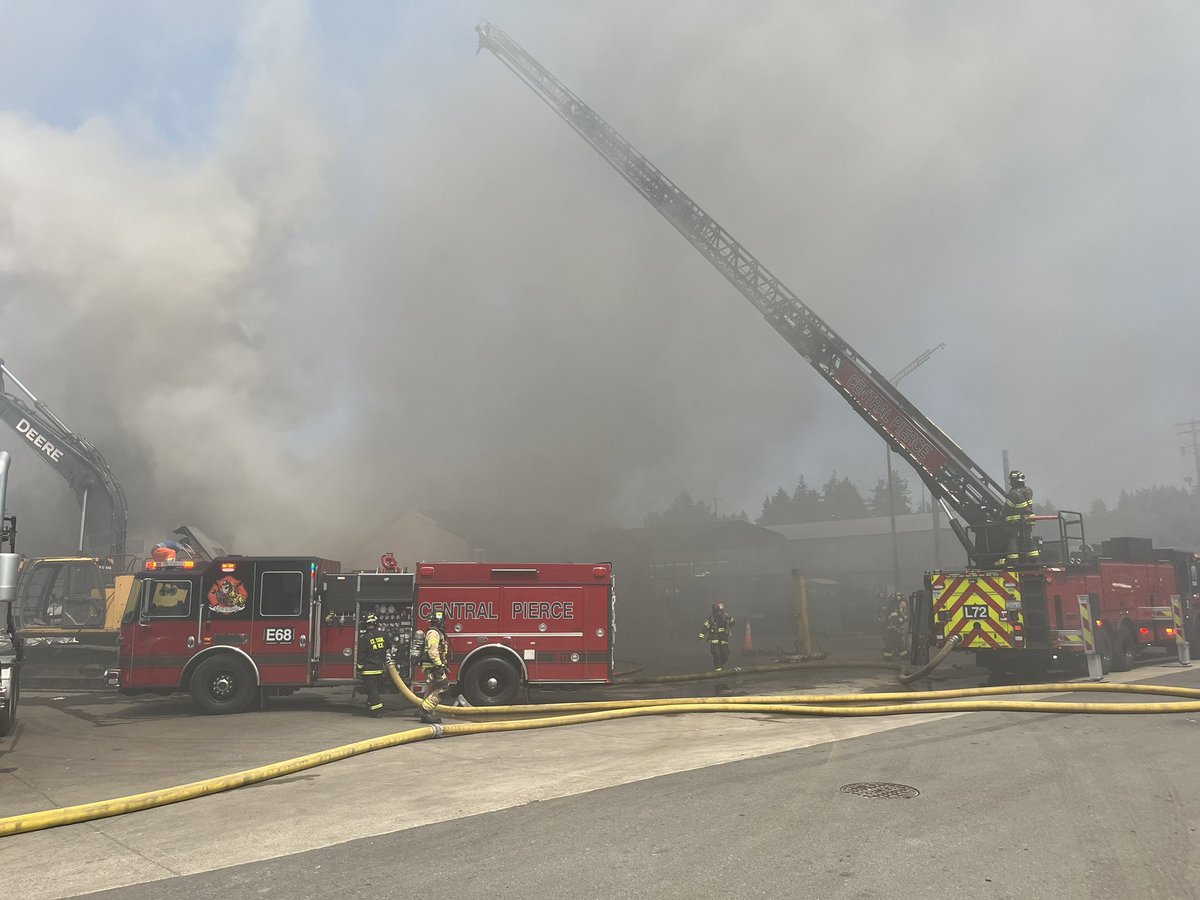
(1009,805)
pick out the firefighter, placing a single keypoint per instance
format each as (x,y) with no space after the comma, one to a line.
(1018,520)
(895,627)
(716,630)
(435,659)
(372,657)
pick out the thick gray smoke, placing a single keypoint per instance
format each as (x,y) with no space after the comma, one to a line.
(386,277)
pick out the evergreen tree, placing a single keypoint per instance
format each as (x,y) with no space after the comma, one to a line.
(879,496)
(805,504)
(775,509)
(840,499)
(684,511)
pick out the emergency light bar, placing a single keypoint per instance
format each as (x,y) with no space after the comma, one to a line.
(171,564)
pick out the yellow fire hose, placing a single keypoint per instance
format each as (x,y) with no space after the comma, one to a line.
(733,671)
(910,677)
(912,703)
(900,700)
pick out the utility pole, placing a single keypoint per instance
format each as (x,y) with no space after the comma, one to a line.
(1191,430)
(891,482)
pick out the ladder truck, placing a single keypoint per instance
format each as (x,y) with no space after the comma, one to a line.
(1004,623)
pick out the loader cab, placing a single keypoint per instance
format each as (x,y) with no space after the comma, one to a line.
(61,593)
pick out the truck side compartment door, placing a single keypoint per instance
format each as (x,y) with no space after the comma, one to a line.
(337,609)
(280,623)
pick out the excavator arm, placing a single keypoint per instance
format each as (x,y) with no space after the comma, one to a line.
(950,474)
(104,514)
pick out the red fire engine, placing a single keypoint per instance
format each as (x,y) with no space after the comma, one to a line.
(226,631)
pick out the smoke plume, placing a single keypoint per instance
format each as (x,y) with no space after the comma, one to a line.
(372,272)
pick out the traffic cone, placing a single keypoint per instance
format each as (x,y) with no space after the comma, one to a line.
(748,646)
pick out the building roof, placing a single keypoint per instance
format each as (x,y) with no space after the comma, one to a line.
(835,528)
(730,535)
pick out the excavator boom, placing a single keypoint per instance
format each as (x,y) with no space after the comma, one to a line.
(104,516)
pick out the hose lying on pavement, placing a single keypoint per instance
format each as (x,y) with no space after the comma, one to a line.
(910,677)
(732,671)
(897,701)
(917,702)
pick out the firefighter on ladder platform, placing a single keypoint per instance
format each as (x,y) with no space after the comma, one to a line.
(716,630)
(435,659)
(372,657)
(1018,520)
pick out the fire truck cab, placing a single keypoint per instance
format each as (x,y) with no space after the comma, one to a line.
(230,630)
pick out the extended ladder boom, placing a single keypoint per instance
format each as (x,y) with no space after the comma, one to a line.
(104,513)
(949,473)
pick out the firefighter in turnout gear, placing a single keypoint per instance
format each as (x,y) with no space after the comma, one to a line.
(1018,519)
(716,630)
(372,658)
(435,659)
(895,627)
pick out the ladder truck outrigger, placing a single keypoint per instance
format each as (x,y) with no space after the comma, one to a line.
(1008,615)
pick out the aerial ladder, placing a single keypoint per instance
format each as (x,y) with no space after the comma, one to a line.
(958,484)
(104,515)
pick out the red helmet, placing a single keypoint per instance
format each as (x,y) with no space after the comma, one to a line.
(718,607)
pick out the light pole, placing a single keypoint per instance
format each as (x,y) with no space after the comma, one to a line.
(895,379)
(1191,430)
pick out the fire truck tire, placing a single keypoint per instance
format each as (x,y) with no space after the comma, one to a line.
(491,681)
(1124,652)
(223,684)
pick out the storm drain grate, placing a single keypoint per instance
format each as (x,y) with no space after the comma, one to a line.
(880,790)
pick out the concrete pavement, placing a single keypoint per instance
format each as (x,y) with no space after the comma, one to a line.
(1010,806)
(88,748)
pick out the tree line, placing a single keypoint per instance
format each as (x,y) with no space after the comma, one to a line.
(838,498)
(1169,515)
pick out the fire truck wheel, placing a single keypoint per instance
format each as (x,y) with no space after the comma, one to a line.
(223,684)
(491,681)
(1123,655)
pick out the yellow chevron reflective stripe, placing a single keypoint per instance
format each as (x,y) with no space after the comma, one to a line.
(970,605)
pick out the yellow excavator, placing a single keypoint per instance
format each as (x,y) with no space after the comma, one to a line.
(68,608)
